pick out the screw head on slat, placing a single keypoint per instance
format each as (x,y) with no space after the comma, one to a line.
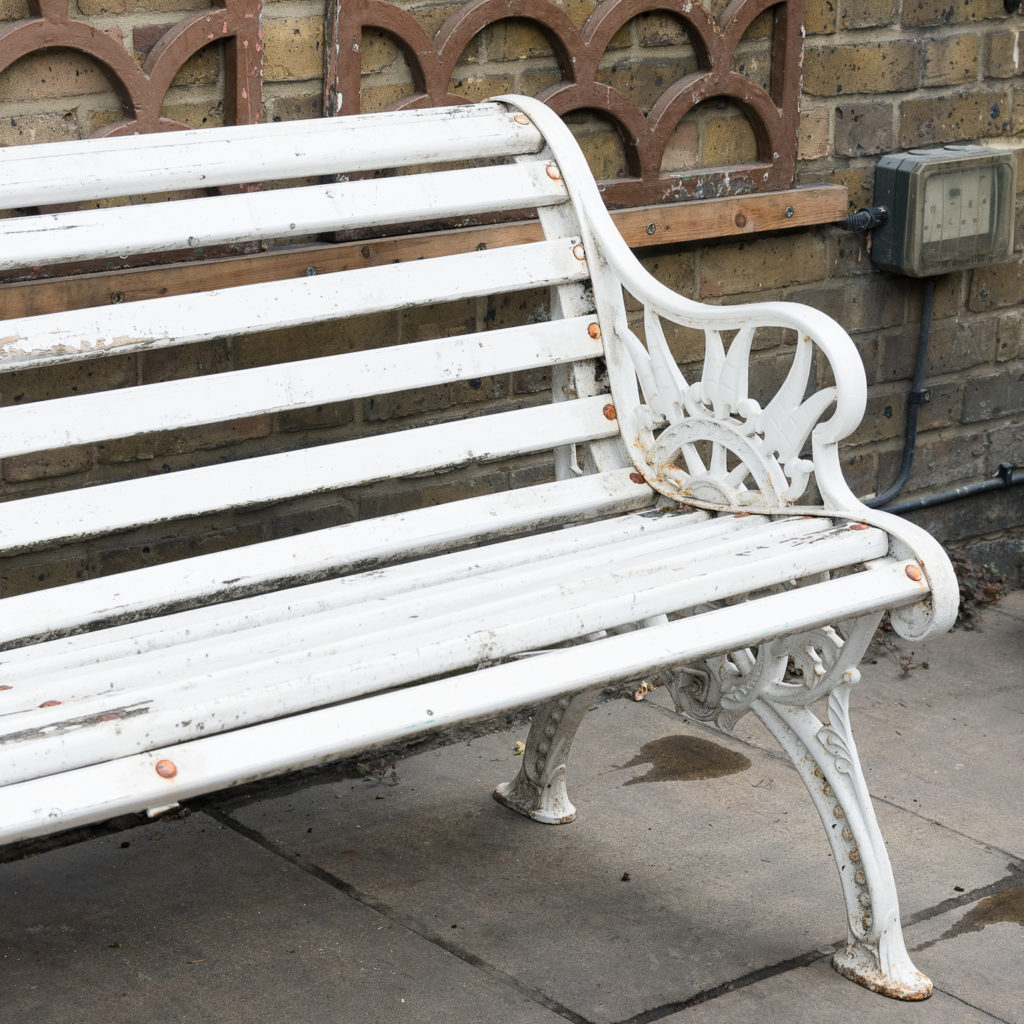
(609,411)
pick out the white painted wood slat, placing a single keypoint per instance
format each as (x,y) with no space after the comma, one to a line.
(312,555)
(211,157)
(131,784)
(298,669)
(33,522)
(227,312)
(222,220)
(82,419)
(460,577)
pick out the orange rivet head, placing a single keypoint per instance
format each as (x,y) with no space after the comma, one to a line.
(166,769)
(594,330)
(914,573)
(521,119)
(579,252)
(6,686)
(609,411)
(553,172)
(637,478)
(49,703)
(858,526)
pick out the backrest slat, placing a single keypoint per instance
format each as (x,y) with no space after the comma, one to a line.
(107,508)
(215,157)
(224,220)
(194,401)
(158,323)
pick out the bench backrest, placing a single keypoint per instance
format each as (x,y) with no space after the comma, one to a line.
(416,181)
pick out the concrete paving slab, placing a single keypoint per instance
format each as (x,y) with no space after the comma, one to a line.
(667,885)
(946,741)
(817,995)
(977,950)
(186,921)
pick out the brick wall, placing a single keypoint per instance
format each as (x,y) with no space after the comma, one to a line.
(879,76)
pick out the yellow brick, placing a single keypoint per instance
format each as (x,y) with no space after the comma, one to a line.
(951,61)
(14,10)
(813,141)
(379,97)
(515,39)
(682,151)
(728,140)
(28,128)
(196,114)
(377,51)
(52,73)
(292,49)
(753,266)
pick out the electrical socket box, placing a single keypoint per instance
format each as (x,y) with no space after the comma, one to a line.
(949,209)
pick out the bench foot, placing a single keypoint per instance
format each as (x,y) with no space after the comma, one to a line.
(826,757)
(860,963)
(538,791)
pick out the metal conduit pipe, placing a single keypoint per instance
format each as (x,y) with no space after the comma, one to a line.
(1007,476)
(914,400)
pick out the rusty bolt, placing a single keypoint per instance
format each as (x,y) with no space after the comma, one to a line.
(858,526)
(609,411)
(651,229)
(366,252)
(117,298)
(310,271)
(50,703)
(855,855)
(637,478)
(790,212)
(594,330)
(521,119)
(914,573)
(6,686)
(579,252)
(740,220)
(166,769)
(553,172)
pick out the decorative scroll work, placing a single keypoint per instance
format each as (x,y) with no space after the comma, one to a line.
(772,112)
(142,89)
(708,442)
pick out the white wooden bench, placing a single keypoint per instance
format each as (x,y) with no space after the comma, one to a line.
(687,530)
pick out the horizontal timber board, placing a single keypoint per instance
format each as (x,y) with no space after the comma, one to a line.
(673,223)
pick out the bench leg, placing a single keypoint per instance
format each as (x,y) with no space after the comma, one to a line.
(826,757)
(538,791)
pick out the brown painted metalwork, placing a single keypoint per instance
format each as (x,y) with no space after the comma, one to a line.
(142,88)
(773,113)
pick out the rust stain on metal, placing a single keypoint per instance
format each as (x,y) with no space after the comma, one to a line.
(914,573)
(553,172)
(166,769)
(594,330)
(609,411)
(740,515)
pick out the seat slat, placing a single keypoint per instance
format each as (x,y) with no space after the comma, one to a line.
(33,522)
(211,157)
(309,556)
(175,320)
(464,578)
(251,752)
(191,402)
(279,214)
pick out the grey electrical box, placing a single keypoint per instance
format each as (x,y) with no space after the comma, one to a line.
(949,209)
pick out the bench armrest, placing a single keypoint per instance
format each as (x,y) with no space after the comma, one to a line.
(708,442)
